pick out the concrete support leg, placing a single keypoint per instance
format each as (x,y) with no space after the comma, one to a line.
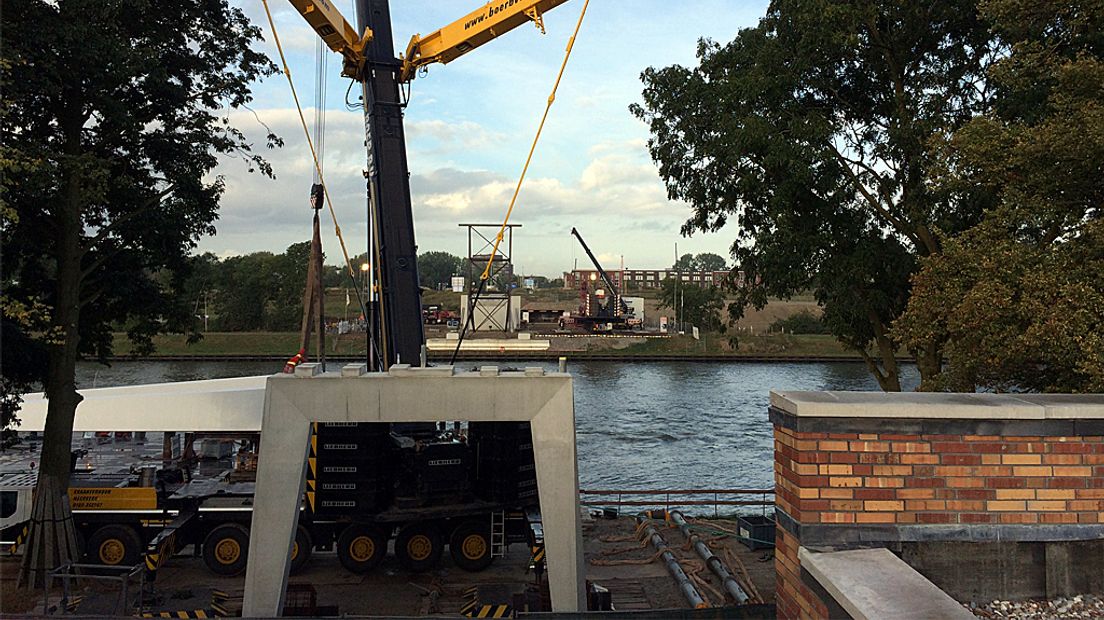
(281,473)
(558,484)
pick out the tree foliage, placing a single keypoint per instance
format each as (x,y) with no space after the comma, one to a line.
(705,261)
(436,268)
(696,305)
(1017,302)
(113,116)
(811,131)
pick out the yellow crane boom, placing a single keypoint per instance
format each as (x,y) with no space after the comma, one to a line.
(474,29)
(484,24)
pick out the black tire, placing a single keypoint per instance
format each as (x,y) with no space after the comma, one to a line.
(226,549)
(115,545)
(470,545)
(360,548)
(301,549)
(418,547)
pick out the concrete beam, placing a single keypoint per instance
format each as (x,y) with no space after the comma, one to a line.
(407,394)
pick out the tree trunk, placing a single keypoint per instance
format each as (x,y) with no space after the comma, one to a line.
(929,361)
(888,376)
(51,541)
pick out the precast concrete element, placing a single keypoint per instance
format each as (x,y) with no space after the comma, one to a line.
(232,405)
(405,394)
(871,584)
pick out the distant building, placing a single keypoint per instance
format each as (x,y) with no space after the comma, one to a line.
(651,278)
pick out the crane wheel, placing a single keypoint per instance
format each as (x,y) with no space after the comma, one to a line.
(115,545)
(226,549)
(418,546)
(470,545)
(360,548)
(301,549)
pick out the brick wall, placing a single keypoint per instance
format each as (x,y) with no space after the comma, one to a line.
(925,479)
(880,488)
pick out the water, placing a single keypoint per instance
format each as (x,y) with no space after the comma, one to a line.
(643,424)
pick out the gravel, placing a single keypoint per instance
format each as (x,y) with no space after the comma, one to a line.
(1081,606)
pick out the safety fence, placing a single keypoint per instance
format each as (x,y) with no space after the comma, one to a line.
(732,500)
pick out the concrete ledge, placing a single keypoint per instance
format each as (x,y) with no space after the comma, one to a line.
(487,344)
(875,584)
(1057,426)
(939,405)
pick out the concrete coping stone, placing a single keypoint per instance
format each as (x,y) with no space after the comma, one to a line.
(308,370)
(406,370)
(488,371)
(353,370)
(875,584)
(939,405)
(534,371)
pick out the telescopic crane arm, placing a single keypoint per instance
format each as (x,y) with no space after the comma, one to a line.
(482,25)
(601,272)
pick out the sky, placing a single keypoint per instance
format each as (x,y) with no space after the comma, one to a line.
(469,125)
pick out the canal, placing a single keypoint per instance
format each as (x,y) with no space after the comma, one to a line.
(639,424)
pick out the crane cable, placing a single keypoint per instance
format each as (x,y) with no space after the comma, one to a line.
(517,189)
(314,157)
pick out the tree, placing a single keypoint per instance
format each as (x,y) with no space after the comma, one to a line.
(436,268)
(696,305)
(812,130)
(113,117)
(707,261)
(684,263)
(1017,302)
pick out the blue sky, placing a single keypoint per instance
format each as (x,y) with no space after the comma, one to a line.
(469,125)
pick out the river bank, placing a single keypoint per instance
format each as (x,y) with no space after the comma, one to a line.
(278,346)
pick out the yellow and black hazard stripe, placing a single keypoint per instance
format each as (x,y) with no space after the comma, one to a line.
(490,611)
(194,613)
(164,550)
(469,608)
(312,467)
(20,538)
(71,605)
(537,554)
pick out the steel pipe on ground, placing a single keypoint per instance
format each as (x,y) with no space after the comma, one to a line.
(688,590)
(713,562)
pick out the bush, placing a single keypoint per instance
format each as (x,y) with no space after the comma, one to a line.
(801,323)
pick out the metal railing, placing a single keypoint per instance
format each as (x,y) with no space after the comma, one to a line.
(69,571)
(676,498)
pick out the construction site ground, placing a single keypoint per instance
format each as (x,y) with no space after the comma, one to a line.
(614,560)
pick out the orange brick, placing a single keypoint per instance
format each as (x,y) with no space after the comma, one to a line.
(906,517)
(1015,493)
(922,504)
(869,446)
(1059,517)
(836,493)
(916,493)
(841,505)
(868,436)
(1072,471)
(953,470)
(1089,493)
(808,493)
(874,517)
(1002,505)
(962,505)
(990,459)
(1046,505)
(920,459)
(892,470)
(833,446)
(1059,493)
(884,483)
(804,469)
(1066,459)
(1086,504)
(982,438)
(883,505)
(839,481)
(965,483)
(837,517)
(1019,518)
(1028,471)
(910,446)
(836,470)
(1021,459)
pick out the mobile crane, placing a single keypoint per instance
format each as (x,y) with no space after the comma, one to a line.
(612,315)
(366,483)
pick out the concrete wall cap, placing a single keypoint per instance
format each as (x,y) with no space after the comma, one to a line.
(938,405)
(488,371)
(353,370)
(875,584)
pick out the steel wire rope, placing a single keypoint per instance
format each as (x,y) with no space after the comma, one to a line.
(517,189)
(314,158)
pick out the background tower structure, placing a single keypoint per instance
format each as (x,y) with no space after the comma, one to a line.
(493,310)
